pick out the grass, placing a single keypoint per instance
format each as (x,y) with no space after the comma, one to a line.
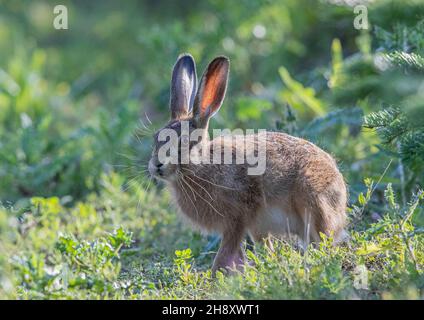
(52,250)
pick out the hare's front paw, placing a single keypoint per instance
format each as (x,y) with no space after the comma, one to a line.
(228,262)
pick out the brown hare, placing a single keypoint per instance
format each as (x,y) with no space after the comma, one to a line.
(301,191)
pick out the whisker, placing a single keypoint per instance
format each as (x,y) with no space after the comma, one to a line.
(126,156)
(143,132)
(148,185)
(145,127)
(186,193)
(214,184)
(190,188)
(129,183)
(186,176)
(147,117)
(182,179)
(146,191)
(138,137)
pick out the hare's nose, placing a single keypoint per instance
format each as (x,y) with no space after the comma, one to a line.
(159,168)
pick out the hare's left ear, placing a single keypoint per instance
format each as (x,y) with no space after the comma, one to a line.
(211,93)
(183,86)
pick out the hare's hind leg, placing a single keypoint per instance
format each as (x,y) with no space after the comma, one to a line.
(230,254)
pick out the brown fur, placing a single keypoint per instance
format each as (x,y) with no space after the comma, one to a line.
(301,191)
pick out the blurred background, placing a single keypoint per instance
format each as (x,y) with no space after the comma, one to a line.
(72,101)
(78,108)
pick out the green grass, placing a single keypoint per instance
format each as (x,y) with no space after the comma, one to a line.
(131,245)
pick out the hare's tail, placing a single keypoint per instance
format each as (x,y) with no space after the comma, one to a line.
(331,214)
(323,213)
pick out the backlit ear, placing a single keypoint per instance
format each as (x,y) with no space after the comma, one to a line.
(183,86)
(211,91)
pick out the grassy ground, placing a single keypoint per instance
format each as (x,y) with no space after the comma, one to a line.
(79,252)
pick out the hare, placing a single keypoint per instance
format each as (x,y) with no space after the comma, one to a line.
(301,191)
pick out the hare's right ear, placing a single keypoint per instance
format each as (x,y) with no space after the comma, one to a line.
(183,86)
(211,91)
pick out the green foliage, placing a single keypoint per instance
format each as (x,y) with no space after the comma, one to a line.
(400,126)
(402,37)
(40,154)
(298,96)
(401,137)
(406,60)
(384,259)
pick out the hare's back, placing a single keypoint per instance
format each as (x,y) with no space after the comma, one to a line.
(297,163)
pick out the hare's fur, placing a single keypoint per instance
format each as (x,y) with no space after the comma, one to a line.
(301,193)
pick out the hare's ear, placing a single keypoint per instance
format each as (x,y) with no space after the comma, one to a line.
(211,91)
(183,86)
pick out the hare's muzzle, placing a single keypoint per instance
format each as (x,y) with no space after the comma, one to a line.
(155,168)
